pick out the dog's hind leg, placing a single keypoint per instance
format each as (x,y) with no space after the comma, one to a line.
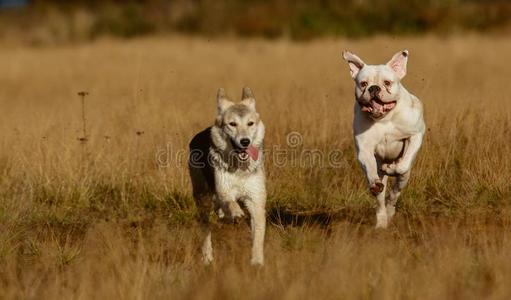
(204,203)
(382,218)
(399,185)
(257,213)
(204,209)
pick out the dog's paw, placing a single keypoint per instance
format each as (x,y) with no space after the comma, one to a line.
(394,169)
(220,213)
(391,211)
(389,169)
(382,222)
(207,259)
(257,261)
(376,188)
(234,210)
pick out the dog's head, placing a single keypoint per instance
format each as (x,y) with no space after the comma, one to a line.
(240,124)
(377,87)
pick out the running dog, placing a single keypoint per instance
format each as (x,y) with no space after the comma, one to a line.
(388,128)
(226,168)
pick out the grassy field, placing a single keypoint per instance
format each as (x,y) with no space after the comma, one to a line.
(101,207)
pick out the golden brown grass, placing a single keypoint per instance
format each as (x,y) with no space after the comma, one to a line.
(102,219)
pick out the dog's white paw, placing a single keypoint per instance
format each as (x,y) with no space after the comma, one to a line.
(389,169)
(220,213)
(257,261)
(393,169)
(234,210)
(382,220)
(391,211)
(207,259)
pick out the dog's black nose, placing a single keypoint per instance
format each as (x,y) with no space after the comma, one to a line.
(373,89)
(245,142)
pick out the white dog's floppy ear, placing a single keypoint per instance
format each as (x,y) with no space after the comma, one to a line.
(398,63)
(222,102)
(247,98)
(354,62)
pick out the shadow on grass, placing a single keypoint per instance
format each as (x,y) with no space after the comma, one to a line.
(281,216)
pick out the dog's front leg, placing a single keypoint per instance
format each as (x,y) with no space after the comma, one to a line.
(376,185)
(255,205)
(230,207)
(226,197)
(368,162)
(404,164)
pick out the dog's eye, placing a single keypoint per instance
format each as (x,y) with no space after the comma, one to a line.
(233,124)
(387,83)
(250,123)
(363,84)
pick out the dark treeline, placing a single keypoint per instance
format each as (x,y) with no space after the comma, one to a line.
(281,18)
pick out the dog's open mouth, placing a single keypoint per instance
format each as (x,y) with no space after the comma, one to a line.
(377,107)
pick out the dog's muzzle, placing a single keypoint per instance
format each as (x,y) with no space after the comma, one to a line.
(376,107)
(248,151)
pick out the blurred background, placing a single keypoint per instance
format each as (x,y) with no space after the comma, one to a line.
(99,100)
(63,21)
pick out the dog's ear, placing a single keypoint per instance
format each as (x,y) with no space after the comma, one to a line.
(246,93)
(222,102)
(398,63)
(354,62)
(247,98)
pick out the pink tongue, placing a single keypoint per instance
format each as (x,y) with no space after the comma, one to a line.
(377,106)
(253,152)
(389,106)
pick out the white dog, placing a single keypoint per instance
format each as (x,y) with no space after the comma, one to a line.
(226,167)
(388,128)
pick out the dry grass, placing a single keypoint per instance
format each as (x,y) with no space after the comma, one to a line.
(101,219)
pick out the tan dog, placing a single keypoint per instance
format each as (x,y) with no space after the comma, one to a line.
(388,128)
(227,166)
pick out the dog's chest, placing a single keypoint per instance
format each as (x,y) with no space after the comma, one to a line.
(240,183)
(389,150)
(390,142)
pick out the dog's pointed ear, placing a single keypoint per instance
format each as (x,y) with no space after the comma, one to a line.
(354,62)
(222,102)
(246,93)
(398,63)
(247,98)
